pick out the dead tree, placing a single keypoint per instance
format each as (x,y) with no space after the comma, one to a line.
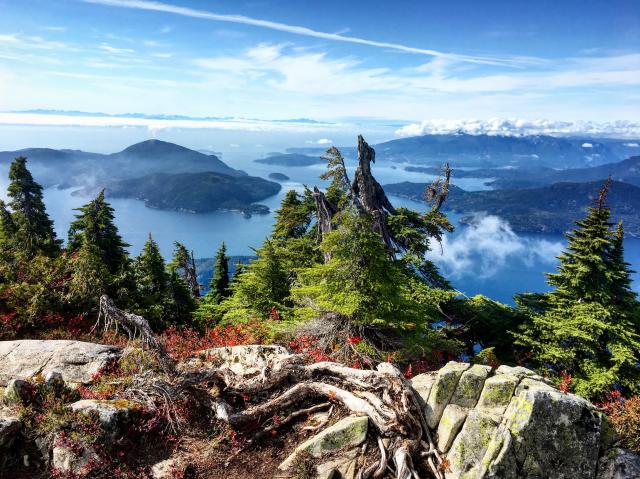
(113,318)
(325,211)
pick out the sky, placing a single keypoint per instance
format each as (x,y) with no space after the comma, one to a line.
(412,66)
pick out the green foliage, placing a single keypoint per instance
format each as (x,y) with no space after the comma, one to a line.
(7,226)
(261,289)
(294,216)
(163,296)
(219,285)
(90,277)
(588,325)
(94,225)
(339,188)
(33,229)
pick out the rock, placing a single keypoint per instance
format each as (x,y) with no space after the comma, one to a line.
(346,433)
(470,444)
(422,384)
(545,434)
(113,414)
(619,464)
(168,469)
(343,467)
(76,361)
(248,360)
(77,460)
(497,393)
(16,392)
(470,386)
(442,390)
(450,424)
(54,379)
(10,426)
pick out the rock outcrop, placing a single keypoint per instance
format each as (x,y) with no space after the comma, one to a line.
(512,423)
(76,361)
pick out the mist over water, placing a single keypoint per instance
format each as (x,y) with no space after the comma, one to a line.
(484,258)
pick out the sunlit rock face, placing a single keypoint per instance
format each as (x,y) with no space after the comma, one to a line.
(512,423)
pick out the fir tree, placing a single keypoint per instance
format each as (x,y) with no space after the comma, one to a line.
(163,296)
(184,265)
(587,325)
(219,284)
(339,189)
(95,226)
(293,217)
(261,288)
(90,277)
(34,229)
(7,226)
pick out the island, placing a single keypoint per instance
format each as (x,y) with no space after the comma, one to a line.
(278,177)
(291,159)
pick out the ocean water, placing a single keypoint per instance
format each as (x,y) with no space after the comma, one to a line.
(485,258)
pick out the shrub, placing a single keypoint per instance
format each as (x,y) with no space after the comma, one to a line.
(625,417)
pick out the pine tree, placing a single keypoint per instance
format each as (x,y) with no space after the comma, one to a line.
(293,217)
(184,265)
(95,226)
(219,284)
(90,277)
(261,288)
(34,229)
(163,296)
(587,326)
(7,226)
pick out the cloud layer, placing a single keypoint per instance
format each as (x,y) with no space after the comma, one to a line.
(515,126)
(485,247)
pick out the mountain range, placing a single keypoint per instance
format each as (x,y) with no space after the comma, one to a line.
(491,151)
(548,209)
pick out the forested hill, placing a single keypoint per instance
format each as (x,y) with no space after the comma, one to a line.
(196,192)
(77,168)
(627,171)
(291,159)
(498,150)
(548,209)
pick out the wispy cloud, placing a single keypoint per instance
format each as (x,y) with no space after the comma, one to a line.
(115,50)
(300,30)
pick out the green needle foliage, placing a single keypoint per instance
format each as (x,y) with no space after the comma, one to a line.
(33,229)
(588,325)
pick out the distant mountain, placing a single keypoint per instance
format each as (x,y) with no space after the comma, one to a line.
(80,168)
(291,159)
(548,209)
(196,192)
(627,171)
(497,151)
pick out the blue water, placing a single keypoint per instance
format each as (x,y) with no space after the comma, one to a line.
(486,259)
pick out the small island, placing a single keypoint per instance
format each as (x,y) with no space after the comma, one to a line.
(278,177)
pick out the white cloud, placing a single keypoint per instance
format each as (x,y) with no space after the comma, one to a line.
(587,145)
(632,145)
(115,50)
(518,126)
(297,30)
(486,246)
(162,55)
(324,141)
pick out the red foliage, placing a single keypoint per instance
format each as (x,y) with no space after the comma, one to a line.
(624,414)
(308,346)
(565,383)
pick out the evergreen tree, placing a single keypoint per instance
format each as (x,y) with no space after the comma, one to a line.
(163,296)
(293,217)
(34,229)
(587,326)
(339,189)
(262,287)
(90,277)
(184,265)
(95,226)
(7,226)
(219,284)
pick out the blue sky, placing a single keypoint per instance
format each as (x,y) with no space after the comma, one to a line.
(413,62)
